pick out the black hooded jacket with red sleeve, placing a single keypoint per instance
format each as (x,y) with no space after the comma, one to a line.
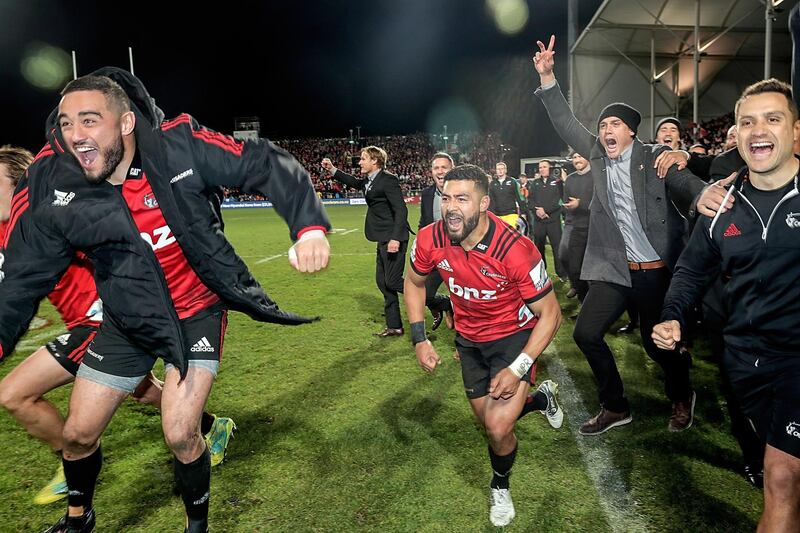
(56,212)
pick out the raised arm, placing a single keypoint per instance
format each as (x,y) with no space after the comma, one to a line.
(566,125)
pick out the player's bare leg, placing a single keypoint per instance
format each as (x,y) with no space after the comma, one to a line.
(498,417)
(182,404)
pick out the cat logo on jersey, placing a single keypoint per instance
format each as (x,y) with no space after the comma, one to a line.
(150,201)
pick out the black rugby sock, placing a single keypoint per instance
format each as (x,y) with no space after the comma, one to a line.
(501,465)
(81,478)
(206,422)
(194,482)
(535,402)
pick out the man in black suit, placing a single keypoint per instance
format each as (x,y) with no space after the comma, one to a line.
(386,224)
(430,212)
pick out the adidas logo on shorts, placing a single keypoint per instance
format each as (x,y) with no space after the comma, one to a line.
(202,346)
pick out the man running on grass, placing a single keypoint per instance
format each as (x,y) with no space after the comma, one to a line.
(55,364)
(506,314)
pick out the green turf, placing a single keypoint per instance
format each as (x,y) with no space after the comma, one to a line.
(341,431)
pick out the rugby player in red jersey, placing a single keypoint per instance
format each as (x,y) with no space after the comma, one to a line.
(506,314)
(55,364)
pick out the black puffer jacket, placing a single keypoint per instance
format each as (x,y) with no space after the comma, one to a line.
(56,211)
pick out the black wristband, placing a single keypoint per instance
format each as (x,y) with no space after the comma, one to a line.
(418,332)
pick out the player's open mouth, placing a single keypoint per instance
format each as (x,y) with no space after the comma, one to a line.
(611,142)
(86,155)
(454,222)
(761,149)
(667,140)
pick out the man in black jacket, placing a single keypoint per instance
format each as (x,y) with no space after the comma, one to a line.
(630,250)
(430,212)
(754,244)
(577,197)
(386,224)
(137,196)
(506,200)
(544,199)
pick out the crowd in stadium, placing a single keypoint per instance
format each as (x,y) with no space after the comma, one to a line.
(410,155)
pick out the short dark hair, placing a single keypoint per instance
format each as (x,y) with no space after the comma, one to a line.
(772,85)
(116,97)
(471,173)
(546,161)
(442,155)
(17,160)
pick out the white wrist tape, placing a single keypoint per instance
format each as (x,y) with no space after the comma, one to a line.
(521,365)
(313,234)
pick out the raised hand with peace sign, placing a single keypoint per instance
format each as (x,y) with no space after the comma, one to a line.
(544,61)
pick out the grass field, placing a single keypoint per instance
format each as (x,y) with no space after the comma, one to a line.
(340,431)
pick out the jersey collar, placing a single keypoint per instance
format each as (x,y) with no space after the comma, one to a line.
(483,246)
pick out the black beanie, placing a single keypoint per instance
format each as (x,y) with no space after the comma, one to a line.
(668,120)
(624,112)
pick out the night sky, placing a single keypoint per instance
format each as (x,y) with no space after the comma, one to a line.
(306,69)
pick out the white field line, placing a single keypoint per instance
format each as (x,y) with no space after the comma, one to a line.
(35,341)
(619,507)
(270,258)
(273,257)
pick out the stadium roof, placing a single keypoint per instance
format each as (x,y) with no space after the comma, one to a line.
(612,56)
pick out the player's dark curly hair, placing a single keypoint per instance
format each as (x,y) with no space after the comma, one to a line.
(470,173)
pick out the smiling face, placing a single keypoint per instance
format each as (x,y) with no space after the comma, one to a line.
(615,136)
(766,133)
(93,132)
(439,167)
(669,134)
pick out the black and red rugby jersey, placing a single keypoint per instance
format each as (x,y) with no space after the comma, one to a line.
(490,285)
(189,294)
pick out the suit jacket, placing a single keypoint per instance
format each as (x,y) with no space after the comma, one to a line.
(426,209)
(387,214)
(606,259)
